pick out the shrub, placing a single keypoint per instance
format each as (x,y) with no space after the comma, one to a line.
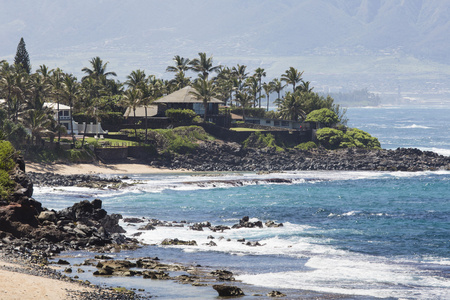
(306,146)
(79,155)
(181,139)
(6,156)
(323,116)
(330,138)
(363,139)
(260,140)
(6,165)
(6,185)
(184,116)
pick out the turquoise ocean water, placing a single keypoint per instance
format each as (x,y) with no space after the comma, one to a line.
(363,235)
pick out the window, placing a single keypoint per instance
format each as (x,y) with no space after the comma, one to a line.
(284,123)
(276,123)
(267,121)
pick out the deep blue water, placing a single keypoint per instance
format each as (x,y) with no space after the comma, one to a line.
(360,234)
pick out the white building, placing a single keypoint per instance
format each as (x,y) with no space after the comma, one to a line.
(65,117)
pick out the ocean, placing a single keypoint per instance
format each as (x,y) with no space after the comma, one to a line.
(346,235)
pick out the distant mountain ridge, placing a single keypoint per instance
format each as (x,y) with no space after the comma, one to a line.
(420,27)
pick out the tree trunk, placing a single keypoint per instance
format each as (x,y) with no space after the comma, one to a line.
(59,123)
(135,130)
(146,125)
(84,134)
(205,104)
(71,125)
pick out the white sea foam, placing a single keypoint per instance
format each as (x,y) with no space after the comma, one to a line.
(329,269)
(413,126)
(354,274)
(270,239)
(158,184)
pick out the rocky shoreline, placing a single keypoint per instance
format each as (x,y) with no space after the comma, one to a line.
(90,181)
(219,156)
(32,236)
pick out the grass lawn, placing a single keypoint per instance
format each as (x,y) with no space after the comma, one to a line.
(112,142)
(244,129)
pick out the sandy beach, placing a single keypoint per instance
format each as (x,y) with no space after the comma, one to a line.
(70,169)
(21,286)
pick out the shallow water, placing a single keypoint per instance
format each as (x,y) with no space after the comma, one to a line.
(375,234)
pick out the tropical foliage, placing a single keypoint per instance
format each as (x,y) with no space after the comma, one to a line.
(331,138)
(181,116)
(6,165)
(98,97)
(261,140)
(323,116)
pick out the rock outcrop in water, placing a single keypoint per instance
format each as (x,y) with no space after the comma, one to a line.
(24,223)
(219,156)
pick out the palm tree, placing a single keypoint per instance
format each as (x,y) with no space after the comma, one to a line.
(39,89)
(180,81)
(246,100)
(292,76)
(204,90)
(305,87)
(38,121)
(253,87)
(290,107)
(259,74)
(56,79)
(98,69)
(136,79)
(268,88)
(277,87)
(8,88)
(203,65)
(131,100)
(224,82)
(89,109)
(239,76)
(69,93)
(181,65)
(18,95)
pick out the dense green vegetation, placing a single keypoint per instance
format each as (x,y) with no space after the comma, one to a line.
(261,140)
(7,152)
(306,146)
(323,116)
(182,116)
(331,138)
(25,119)
(183,139)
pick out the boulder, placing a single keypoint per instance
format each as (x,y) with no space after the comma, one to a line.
(223,275)
(177,242)
(47,215)
(228,290)
(276,294)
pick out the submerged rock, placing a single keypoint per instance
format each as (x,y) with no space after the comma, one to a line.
(228,290)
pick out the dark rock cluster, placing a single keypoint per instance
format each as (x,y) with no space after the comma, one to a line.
(92,181)
(24,223)
(218,156)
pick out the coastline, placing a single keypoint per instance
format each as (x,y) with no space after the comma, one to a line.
(84,169)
